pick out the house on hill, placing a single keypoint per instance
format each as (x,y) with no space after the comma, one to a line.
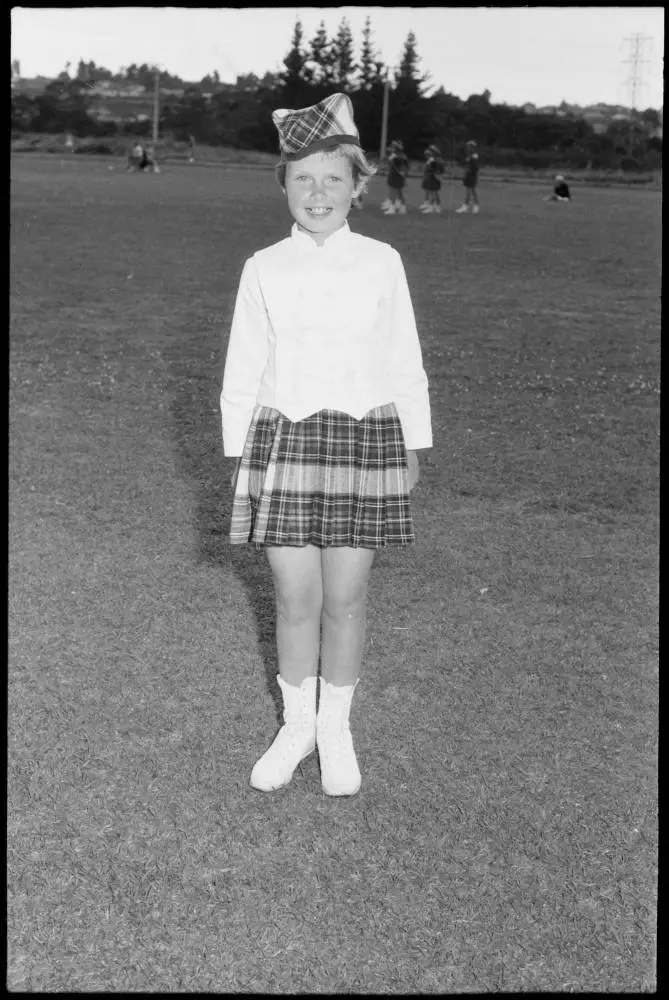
(112,88)
(30,86)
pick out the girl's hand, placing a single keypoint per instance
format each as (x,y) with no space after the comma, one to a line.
(414,473)
(233,477)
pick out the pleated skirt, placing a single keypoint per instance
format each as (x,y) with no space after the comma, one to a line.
(326,480)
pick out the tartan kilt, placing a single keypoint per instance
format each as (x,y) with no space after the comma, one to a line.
(431,183)
(326,480)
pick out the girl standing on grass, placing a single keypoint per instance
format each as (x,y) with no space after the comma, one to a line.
(398,170)
(325,402)
(470,180)
(432,171)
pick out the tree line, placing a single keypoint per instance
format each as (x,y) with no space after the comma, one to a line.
(239,115)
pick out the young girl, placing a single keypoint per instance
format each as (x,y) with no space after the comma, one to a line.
(398,168)
(325,403)
(433,169)
(470,179)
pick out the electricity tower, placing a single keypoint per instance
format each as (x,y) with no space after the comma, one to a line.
(635,81)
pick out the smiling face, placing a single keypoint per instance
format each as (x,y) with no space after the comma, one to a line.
(320,188)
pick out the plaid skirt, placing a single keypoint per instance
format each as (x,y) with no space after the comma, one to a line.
(431,183)
(326,480)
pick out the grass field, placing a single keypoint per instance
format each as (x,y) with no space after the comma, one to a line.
(505,835)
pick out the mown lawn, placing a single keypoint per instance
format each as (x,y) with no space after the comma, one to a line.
(505,838)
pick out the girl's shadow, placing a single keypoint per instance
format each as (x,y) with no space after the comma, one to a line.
(196,418)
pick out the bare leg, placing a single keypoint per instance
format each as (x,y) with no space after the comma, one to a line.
(298,585)
(345,578)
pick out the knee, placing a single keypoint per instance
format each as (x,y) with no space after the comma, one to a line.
(345,607)
(298,605)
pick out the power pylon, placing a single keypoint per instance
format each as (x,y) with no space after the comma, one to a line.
(635,81)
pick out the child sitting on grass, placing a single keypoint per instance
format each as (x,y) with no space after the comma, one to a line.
(561,190)
(325,403)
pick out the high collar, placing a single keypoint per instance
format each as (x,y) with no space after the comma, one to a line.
(306,244)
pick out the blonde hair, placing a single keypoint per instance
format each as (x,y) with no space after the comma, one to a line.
(361,168)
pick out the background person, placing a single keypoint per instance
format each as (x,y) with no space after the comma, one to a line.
(561,190)
(470,179)
(135,156)
(432,171)
(398,168)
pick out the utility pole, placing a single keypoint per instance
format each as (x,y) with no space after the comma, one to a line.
(384,116)
(156,105)
(635,79)
(384,119)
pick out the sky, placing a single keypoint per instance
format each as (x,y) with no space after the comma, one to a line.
(542,55)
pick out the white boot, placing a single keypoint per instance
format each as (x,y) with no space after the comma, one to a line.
(386,204)
(340,774)
(390,210)
(475,210)
(402,209)
(295,740)
(463,208)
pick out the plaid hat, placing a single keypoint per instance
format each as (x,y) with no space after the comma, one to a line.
(434,150)
(396,144)
(321,126)
(471,143)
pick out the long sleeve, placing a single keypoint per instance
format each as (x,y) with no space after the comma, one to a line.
(245,361)
(410,386)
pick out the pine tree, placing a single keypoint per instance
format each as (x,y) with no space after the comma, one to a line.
(370,69)
(294,79)
(319,61)
(369,92)
(410,114)
(343,56)
(407,76)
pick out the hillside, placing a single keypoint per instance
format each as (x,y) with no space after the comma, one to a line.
(127,101)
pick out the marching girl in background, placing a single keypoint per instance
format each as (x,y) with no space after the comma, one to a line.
(432,171)
(325,404)
(398,169)
(470,179)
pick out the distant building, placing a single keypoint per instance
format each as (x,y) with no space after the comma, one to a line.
(102,113)
(111,88)
(31,86)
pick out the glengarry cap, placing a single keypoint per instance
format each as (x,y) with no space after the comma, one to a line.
(308,130)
